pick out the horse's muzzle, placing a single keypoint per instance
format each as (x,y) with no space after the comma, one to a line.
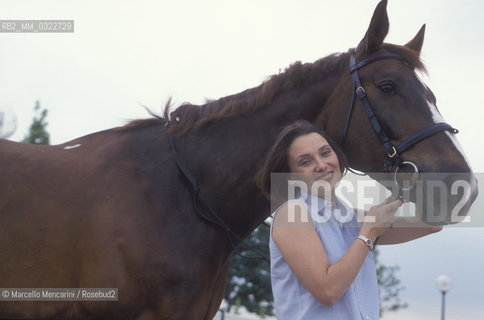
(442,199)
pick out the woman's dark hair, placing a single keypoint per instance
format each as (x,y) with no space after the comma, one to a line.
(277,159)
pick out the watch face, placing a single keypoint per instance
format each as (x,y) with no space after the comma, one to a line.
(367,241)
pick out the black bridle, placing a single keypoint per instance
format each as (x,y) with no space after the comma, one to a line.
(393,157)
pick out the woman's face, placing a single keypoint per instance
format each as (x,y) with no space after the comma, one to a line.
(313,160)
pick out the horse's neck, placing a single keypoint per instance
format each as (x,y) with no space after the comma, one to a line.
(230,151)
(255,131)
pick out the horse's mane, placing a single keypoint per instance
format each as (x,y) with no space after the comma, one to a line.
(188,116)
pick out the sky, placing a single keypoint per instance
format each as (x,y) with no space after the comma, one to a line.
(125,54)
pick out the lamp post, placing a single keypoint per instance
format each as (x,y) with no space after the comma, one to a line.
(8,122)
(443,284)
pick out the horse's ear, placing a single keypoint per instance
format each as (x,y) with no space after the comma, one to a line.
(417,42)
(377,31)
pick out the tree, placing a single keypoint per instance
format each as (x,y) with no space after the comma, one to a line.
(249,282)
(389,286)
(37,132)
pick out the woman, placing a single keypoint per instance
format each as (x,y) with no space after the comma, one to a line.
(324,268)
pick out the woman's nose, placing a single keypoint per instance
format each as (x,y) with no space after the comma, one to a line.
(320,165)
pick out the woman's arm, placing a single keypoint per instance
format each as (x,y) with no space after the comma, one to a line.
(405,229)
(304,253)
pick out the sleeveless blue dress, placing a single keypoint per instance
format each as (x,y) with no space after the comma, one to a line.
(337,227)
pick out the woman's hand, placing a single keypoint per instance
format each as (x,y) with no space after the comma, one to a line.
(379,219)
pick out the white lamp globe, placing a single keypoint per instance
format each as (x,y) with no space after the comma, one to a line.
(8,122)
(444,283)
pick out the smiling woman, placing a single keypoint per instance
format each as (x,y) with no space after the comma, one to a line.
(322,267)
(286,156)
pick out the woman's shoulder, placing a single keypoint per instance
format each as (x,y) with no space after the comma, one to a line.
(292,212)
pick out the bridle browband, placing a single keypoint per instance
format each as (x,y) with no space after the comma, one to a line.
(393,157)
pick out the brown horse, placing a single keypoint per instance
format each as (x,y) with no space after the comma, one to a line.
(114,210)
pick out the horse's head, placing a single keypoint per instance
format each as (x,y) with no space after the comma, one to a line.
(393,124)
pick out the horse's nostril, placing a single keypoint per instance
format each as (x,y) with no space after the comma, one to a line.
(446,198)
(463,191)
(475,189)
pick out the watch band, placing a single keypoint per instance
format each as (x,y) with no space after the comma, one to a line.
(367,241)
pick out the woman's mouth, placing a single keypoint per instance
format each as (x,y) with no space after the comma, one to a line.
(326,176)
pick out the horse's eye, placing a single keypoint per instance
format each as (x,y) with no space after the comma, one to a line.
(386,87)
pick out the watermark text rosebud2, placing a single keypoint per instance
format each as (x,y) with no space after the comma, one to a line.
(435,198)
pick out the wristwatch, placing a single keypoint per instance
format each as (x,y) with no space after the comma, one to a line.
(367,241)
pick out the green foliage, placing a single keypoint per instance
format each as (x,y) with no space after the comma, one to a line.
(388,285)
(249,280)
(37,132)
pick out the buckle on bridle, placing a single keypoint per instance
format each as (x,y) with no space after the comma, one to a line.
(360,89)
(394,153)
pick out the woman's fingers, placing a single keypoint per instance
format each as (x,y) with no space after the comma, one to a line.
(393,206)
(385,213)
(384,217)
(390,210)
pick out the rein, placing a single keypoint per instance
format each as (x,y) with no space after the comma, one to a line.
(213,217)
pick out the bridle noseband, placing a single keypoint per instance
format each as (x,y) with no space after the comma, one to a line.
(393,157)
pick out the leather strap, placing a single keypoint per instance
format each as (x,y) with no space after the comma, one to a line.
(389,148)
(355,66)
(423,134)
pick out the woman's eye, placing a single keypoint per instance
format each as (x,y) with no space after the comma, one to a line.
(325,153)
(386,87)
(304,163)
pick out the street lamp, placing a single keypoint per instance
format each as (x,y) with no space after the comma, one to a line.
(443,284)
(8,122)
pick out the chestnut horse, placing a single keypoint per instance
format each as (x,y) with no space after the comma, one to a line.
(114,209)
